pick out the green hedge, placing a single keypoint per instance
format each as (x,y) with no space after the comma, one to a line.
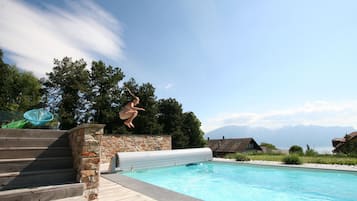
(292,159)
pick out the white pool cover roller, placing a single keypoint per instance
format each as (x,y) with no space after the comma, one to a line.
(152,159)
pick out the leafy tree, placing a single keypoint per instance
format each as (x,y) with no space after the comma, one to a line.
(105,93)
(78,95)
(66,89)
(170,117)
(310,152)
(147,121)
(269,147)
(20,91)
(191,127)
(295,149)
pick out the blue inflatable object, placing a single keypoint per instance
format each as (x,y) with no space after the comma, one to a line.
(38,117)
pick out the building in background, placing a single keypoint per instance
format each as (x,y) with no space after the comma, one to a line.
(221,147)
(345,145)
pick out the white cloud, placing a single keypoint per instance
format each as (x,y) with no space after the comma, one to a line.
(168,86)
(321,113)
(34,36)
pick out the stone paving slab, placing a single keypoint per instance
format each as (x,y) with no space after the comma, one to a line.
(155,192)
(111,191)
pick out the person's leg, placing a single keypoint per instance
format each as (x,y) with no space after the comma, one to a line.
(126,116)
(130,120)
(127,123)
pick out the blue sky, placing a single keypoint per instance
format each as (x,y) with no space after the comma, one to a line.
(255,63)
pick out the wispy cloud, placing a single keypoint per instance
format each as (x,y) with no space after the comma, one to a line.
(321,113)
(168,86)
(35,36)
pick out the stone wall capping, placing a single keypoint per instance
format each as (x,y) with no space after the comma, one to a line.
(156,135)
(87,126)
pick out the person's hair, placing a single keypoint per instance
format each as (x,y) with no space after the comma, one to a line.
(134,97)
(131,93)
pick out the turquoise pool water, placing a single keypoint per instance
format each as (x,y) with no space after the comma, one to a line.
(215,181)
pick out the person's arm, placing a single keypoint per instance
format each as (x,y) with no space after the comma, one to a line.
(136,108)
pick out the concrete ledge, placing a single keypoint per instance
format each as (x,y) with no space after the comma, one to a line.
(155,192)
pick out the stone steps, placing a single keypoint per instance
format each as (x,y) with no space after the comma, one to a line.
(34,152)
(47,193)
(33,142)
(32,164)
(36,164)
(14,180)
(33,133)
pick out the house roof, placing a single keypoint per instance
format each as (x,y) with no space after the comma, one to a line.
(231,145)
(339,142)
(351,135)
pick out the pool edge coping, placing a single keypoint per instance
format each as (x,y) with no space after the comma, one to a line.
(315,166)
(150,190)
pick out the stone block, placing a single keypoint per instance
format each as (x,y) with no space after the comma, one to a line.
(89,154)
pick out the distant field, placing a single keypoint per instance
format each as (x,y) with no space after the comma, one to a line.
(321,159)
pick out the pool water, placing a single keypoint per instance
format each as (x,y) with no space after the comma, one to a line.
(216,181)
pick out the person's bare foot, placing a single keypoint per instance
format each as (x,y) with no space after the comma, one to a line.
(132,125)
(127,124)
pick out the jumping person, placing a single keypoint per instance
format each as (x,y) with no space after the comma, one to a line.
(129,111)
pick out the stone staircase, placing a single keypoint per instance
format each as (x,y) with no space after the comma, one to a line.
(36,164)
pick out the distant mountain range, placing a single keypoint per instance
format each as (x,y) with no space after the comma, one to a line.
(314,136)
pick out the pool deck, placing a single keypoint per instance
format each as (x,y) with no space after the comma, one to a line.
(140,190)
(116,187)
(110,191)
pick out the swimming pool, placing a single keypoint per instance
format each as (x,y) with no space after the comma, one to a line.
(217,181)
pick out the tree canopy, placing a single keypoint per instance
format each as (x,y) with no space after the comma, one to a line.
(78,94)
(20,91)
(104,93)
(66,89)
(296,149)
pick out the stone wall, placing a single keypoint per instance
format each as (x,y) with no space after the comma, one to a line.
(85,141)
(111,144)
(92,152)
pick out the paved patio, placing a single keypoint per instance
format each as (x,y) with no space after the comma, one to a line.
(110,191)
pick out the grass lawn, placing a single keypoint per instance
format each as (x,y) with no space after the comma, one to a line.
(322,159)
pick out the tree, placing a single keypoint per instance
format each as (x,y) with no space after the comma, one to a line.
(170,117)
(66,89)
(20,91)
(295,149)
(105,93)
(147,121)
(269,147)
(310,152)
(77,95)
(191,127)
